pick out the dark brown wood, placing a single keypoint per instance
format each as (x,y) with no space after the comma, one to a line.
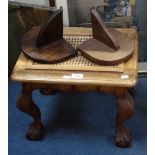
(101,32)
(52,3)
(108,46)
(26,104)
(52,30)
(125,105)
(46,43)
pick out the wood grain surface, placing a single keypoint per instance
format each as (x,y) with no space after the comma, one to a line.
(108,46)
(46,43)
(52,30)
(101,32)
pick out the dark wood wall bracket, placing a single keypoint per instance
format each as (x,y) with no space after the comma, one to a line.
(108,46)
(46,43)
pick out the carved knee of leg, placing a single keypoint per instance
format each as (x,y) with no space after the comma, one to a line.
(24,101)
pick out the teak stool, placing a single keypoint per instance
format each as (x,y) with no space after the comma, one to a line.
(78,74)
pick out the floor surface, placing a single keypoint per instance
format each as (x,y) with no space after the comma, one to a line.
(77,124)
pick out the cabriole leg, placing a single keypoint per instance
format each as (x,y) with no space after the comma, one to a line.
(26,104)
(125,105)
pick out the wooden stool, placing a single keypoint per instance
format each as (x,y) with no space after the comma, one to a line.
(78,74)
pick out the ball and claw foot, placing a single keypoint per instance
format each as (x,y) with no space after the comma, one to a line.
(125,104)
(123,138)
(25,103)
(35,132)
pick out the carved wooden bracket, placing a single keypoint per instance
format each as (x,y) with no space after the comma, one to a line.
(108,46)
(46,43)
